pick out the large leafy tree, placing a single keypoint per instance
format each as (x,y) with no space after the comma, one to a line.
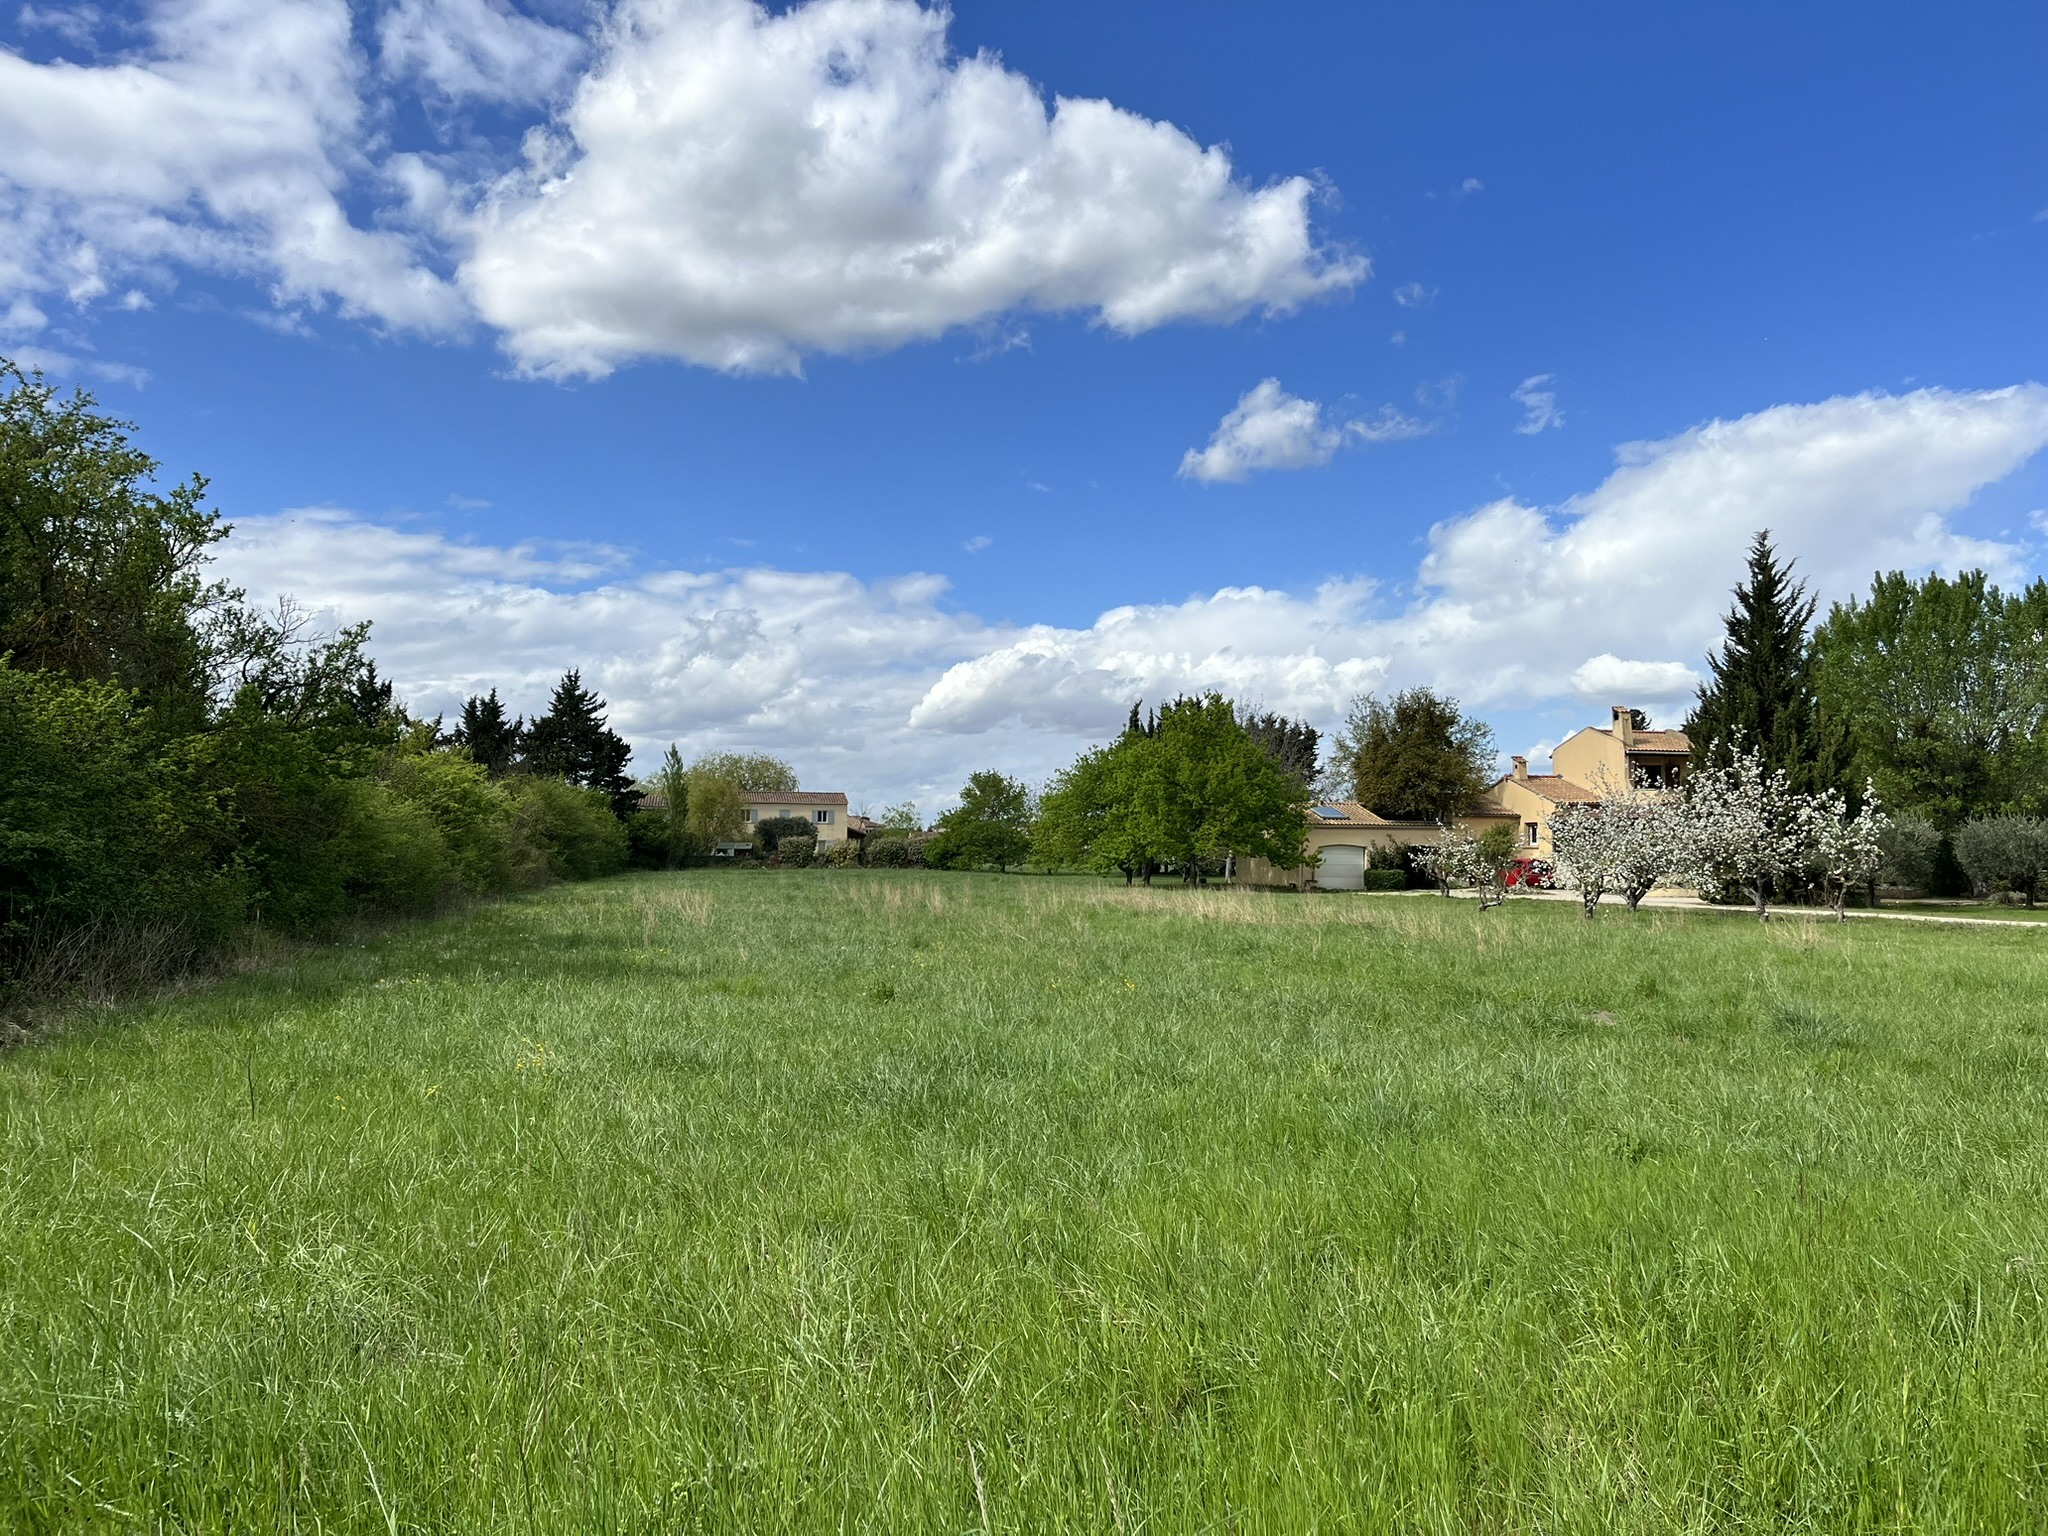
(1416,756)
(1760,696)
(490,735)
(1180,789)
(1942,687)
(572,742)
(990,825)
(752,773)
(102,577)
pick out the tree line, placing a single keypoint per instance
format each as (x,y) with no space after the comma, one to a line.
(181,765)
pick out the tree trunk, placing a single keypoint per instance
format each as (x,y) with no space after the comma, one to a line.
(1590,900)
(1763,910)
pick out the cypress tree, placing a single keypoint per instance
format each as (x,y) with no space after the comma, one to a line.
(1762,693)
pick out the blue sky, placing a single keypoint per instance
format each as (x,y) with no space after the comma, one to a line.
(834,454)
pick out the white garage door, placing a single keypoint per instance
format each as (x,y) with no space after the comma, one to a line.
(1342,869)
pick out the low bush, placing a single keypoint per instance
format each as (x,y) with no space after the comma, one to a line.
(1386,880)
(797,852)
(571,833)
(842,853)
(771,830)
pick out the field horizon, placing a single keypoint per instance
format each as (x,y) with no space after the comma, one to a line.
(916,1202)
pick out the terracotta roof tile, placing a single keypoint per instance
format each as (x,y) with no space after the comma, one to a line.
(799,797)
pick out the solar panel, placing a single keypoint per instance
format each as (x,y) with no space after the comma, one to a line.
(1331,813)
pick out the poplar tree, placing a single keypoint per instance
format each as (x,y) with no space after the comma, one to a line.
(1761,695)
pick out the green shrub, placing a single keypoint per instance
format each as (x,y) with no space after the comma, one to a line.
(1386,880)
(390,856)
(649,842)
(571,833)
(2005,853)
(473,816)
(886,850)
(797,852)
(842,853)
(98,823)
(771,830)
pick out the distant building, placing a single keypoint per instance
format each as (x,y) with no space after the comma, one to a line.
(1342,837)
(1584,763)
(825,810)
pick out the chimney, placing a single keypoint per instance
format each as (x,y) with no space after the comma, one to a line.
(1625,726)
(1521,770)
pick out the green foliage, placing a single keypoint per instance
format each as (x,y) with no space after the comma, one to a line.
(1941,687)
(571,830)
(490,736)
(1910,849)
(1294,745)
(843,853)
(572,742)
(1415,757)
(1761,695)
(715,810)
(176,762)
(754,773)
(1497,848)
(1386,880)
(895,850)
(902,818)
(2007,853)
(991,825)
(97,822)
(101,578)
(798,852)
(1180,791)
(769,831)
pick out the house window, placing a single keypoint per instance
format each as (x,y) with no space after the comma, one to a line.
(822,818)
(1535,832)
(747,814)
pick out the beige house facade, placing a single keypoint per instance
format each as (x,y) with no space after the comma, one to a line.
(1342,837)
(1583,764)
(825,810)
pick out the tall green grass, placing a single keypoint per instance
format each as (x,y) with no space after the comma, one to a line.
(892,1202)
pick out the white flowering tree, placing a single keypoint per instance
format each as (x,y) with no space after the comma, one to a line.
(1847,850)
(1452,860)
(1582,853)
(1632,839)
(1459,859)
(1746,830)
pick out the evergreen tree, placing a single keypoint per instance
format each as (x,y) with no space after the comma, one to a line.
(1292,744)
(492,739)
(1761,697)
(572,742)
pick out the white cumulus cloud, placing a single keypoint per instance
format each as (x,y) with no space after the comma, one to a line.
(1270,429)
(707,180)
(226,143)
(882,689)
(735,187)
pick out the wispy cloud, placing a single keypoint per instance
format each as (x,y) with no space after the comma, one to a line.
(1539,404)
(977,544)
(1413,295)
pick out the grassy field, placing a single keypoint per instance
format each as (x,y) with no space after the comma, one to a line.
(840,1201)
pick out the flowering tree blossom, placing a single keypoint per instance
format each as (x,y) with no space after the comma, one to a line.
(1627,842)
(1747,828)
(1452,860)
(1584,855)
(1847,850)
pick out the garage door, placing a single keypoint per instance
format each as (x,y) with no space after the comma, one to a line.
(1342,869)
